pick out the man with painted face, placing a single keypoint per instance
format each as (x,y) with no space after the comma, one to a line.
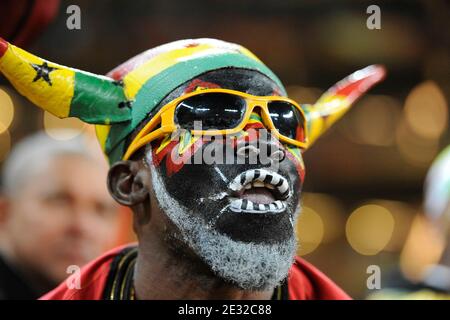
(221,229)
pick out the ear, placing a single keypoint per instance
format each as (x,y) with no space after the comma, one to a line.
(127,182)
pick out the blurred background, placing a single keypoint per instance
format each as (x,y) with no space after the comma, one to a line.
(363,192)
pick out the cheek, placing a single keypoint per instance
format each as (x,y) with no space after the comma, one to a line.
(30,216)
(35,233)
(174,154)
(194,186)
(36,221)
(105,232)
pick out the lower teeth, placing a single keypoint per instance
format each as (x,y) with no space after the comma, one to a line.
(243,205)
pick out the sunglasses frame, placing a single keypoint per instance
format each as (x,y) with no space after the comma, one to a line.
(166,117)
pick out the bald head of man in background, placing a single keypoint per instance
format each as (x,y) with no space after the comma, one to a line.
(55,211)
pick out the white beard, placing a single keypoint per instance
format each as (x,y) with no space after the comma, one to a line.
(246,265)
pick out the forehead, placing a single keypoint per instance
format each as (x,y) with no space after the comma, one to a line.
(243,80)
(76,171)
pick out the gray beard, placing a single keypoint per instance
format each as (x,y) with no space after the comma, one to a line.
(248,266)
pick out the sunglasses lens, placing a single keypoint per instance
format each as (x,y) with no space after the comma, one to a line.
(213,110)
(288,120)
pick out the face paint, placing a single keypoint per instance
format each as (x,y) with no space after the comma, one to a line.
(238,218)
(250,266)
(251,188)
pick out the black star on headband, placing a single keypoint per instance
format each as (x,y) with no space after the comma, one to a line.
(43,71)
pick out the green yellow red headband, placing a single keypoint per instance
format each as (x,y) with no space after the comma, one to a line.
(119,102)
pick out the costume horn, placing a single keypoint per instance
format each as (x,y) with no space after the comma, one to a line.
(334,103)
(63,91)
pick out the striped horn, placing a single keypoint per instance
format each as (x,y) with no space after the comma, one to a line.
(63,91)
(334,103)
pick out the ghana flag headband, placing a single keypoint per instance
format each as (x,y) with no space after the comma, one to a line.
(118,103)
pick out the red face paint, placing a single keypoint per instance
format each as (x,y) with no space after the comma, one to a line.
(3,47)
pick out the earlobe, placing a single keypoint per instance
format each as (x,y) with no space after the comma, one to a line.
(126,183)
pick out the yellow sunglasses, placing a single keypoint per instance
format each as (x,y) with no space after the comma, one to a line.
(224,112)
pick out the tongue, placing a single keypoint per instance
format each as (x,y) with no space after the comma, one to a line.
(258,195)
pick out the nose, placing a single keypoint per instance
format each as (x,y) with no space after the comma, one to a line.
(81,222)
(261,149)
(260,144)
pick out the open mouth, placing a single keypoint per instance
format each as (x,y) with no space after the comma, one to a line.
(259,191)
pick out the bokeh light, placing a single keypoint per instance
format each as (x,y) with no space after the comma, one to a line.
(369,229)
(426,110)
(5,142)
(331,211)
(415,149)
(374,121)
(424,247)
(6,110)
(403,215)
(310,230)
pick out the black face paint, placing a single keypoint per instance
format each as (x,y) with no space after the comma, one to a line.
(204,189)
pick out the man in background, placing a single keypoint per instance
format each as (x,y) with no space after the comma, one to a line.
(55,211)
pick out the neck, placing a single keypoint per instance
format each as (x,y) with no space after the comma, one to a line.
(162,273)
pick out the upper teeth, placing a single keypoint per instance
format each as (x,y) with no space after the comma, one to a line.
(261,178)
(258,184)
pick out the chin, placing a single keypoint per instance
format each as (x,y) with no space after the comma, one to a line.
(258,229)
(259,208)
(252,251)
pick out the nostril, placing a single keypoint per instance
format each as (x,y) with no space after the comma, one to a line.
(278,155)
(247,151)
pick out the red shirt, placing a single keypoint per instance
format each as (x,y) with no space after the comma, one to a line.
(305,282)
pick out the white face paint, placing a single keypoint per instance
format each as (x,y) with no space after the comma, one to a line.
(250,266)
